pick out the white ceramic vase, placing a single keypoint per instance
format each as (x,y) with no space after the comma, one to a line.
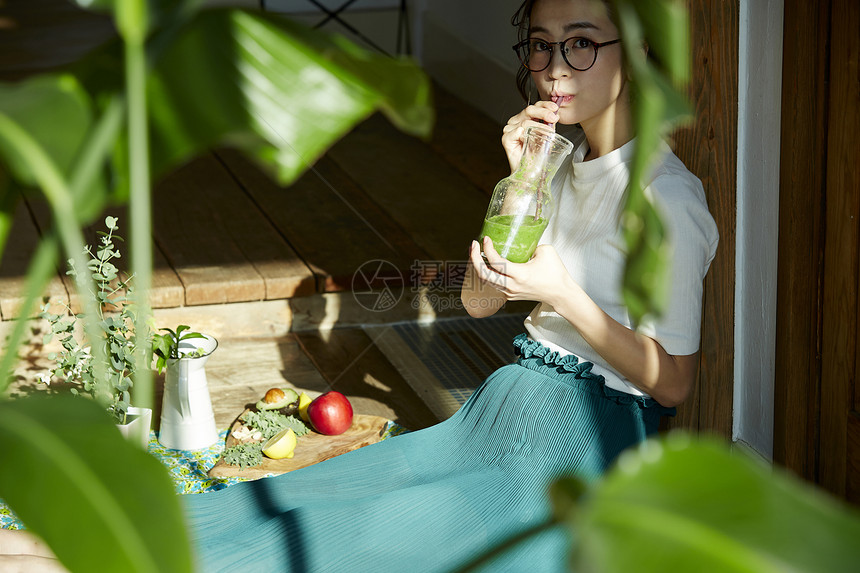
(187,420)
(136,429)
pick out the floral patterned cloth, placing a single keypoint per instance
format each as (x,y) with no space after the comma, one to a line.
(188,469)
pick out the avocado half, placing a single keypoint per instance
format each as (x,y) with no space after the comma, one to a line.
(278,398)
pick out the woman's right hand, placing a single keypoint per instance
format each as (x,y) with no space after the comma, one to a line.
(514,132)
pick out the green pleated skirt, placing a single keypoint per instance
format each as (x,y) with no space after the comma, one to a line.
(432,499)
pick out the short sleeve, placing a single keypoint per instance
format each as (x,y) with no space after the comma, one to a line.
(693,237)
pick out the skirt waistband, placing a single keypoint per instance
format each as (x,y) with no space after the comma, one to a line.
(568,368)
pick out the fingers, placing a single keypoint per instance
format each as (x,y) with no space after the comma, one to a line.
(487,275)
(544,112)
(495,260)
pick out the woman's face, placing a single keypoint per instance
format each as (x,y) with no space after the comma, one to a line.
(584,97)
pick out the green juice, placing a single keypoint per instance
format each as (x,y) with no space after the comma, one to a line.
(515,237)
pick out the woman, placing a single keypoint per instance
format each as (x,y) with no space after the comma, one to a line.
(584,388)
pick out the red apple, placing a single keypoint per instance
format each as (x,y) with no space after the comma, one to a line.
(330,413)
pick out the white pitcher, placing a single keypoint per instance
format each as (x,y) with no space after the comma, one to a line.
(187,420)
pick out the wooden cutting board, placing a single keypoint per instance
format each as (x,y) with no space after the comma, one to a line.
(310,449)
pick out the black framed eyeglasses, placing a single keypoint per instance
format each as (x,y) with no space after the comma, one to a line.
(578,53)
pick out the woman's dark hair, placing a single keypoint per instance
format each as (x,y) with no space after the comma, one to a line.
(521,20)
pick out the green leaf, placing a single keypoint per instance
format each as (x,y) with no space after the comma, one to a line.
(280,92)
(277,90)
(78,465)
(56,112)
(565,494)
(666,29)
(708,509)
(189,335)
(9,198)
(39,272)
(657,105)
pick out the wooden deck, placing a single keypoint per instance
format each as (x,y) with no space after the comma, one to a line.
(225,233)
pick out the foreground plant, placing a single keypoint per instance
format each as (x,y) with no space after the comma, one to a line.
(280,93)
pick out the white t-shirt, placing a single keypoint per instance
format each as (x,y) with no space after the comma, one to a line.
(584,229)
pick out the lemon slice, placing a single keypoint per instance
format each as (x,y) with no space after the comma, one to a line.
(281,445)
(304,402)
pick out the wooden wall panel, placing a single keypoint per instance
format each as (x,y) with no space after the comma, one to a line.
(817,433)
(801,243)
(842,252)
(709,149)
(689,146)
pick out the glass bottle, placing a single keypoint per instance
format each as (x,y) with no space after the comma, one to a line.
(520,206)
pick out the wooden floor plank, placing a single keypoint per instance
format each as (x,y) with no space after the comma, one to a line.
(330,222)
(166,291)
(468,140)
(352,364)
(20,247)
(442,210)
(220,244)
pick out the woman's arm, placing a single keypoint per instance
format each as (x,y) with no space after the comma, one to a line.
(639,358)
(666,378)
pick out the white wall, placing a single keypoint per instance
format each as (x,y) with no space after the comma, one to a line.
(759,95)
(465,45)
(376,20)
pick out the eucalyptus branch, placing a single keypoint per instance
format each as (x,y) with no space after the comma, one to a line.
(121,285)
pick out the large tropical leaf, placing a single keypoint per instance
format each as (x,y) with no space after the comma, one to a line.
(275,89)
(100,502)
(54,113)
(680,504)
(9,197)
(662,26)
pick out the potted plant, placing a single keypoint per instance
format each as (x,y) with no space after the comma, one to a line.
(75,365)
(187,420)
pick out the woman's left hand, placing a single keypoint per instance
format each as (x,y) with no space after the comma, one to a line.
(544,278)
